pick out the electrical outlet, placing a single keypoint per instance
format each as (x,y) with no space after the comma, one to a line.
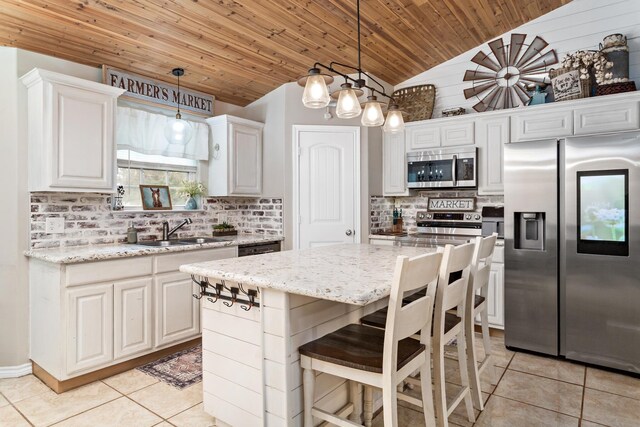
(54,225)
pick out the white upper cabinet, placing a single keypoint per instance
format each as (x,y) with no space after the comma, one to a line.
(71,133)
(531,126)
(235,163)
(491,135)
(606,118)
(394,165)
(438,133)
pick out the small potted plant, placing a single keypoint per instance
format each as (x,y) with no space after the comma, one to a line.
(224,229)
(190,190)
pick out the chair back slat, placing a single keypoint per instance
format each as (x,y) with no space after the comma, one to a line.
(452,295)
(410,274)
(481,265)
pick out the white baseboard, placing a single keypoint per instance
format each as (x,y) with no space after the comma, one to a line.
(15,371)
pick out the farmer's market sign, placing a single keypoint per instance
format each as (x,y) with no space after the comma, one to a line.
(144,89)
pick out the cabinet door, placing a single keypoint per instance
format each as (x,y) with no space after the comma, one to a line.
(422,136)
(457,134)
(133,320)
(83,150)
(491,135)
(394,165)
(245,162)
(533,126)
(177,313)
(495,307)
(90,327)
(616,117)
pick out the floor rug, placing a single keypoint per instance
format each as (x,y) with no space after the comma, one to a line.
(180,369)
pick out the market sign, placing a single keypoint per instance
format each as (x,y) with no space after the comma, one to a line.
(452,204)
(147,90)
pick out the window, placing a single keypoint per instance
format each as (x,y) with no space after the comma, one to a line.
(136,168)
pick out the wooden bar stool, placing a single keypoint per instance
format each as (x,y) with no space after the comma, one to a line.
(450,299)
(380,358)
(476,305)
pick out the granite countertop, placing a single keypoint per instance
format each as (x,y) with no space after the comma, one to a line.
(76,254)
(413,237)
(350,273)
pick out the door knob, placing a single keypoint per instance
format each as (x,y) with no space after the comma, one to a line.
(348,232)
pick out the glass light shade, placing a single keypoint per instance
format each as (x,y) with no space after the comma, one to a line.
(372,114)
(316,94)
(178,131)
(348,104)
(394,122)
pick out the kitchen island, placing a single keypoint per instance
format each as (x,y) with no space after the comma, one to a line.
(251,364)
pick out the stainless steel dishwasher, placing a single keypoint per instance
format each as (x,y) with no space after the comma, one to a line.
(258,248)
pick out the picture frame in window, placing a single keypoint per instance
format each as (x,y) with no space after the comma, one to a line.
(155,197)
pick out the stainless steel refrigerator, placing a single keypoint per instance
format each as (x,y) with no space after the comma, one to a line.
(572,248)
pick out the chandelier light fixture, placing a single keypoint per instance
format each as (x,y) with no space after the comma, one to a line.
(316,93)
(178,131)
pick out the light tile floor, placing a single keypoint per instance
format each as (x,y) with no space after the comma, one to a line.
(532,391)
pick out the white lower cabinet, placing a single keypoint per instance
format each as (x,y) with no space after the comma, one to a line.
(177,312)
(103,313)
(132,309)
(90,330)
(495,307)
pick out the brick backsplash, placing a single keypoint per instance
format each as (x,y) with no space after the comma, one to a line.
(89,219)
(382,207)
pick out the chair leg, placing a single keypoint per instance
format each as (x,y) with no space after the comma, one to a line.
(464,375)
(440,392)
(472,364)
(427,392)
(390,404)
(486,343)
(308,383)
(368,405)
(356,400)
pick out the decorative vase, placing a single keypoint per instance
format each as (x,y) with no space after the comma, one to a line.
(191,204)
(614,48)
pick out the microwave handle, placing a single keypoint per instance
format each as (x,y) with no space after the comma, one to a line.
(454,172)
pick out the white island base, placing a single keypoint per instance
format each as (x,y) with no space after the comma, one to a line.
(252,374)
(251,364)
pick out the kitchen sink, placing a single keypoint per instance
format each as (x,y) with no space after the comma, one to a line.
(163,243)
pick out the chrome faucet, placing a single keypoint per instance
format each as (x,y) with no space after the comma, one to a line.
(166,233)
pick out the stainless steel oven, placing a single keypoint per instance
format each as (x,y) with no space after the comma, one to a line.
(442,168)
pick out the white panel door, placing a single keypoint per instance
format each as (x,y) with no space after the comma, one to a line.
(83,147)
(133,325)
(90,329)
(328,183)
(245,163)
(177,313)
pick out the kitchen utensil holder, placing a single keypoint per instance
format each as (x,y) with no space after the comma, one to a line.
(216,293)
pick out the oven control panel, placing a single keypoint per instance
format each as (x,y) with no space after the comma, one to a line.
(448,216)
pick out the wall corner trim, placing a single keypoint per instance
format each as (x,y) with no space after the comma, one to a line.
(15,371)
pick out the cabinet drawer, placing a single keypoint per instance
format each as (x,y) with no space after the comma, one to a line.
(458,134)
(421,137)
(102,271)
(530,127)
(172,262)
(606,118)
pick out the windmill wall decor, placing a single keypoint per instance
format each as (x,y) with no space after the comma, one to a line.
(500,79)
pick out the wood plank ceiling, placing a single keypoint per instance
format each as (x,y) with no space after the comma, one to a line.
(239,50)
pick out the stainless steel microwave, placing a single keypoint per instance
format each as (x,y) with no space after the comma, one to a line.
(443,168)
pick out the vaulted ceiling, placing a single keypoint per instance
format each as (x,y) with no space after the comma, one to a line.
(239,50)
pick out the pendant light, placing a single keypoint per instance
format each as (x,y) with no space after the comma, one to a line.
(315,92)
(395,121)
(372,114)
(178,131)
